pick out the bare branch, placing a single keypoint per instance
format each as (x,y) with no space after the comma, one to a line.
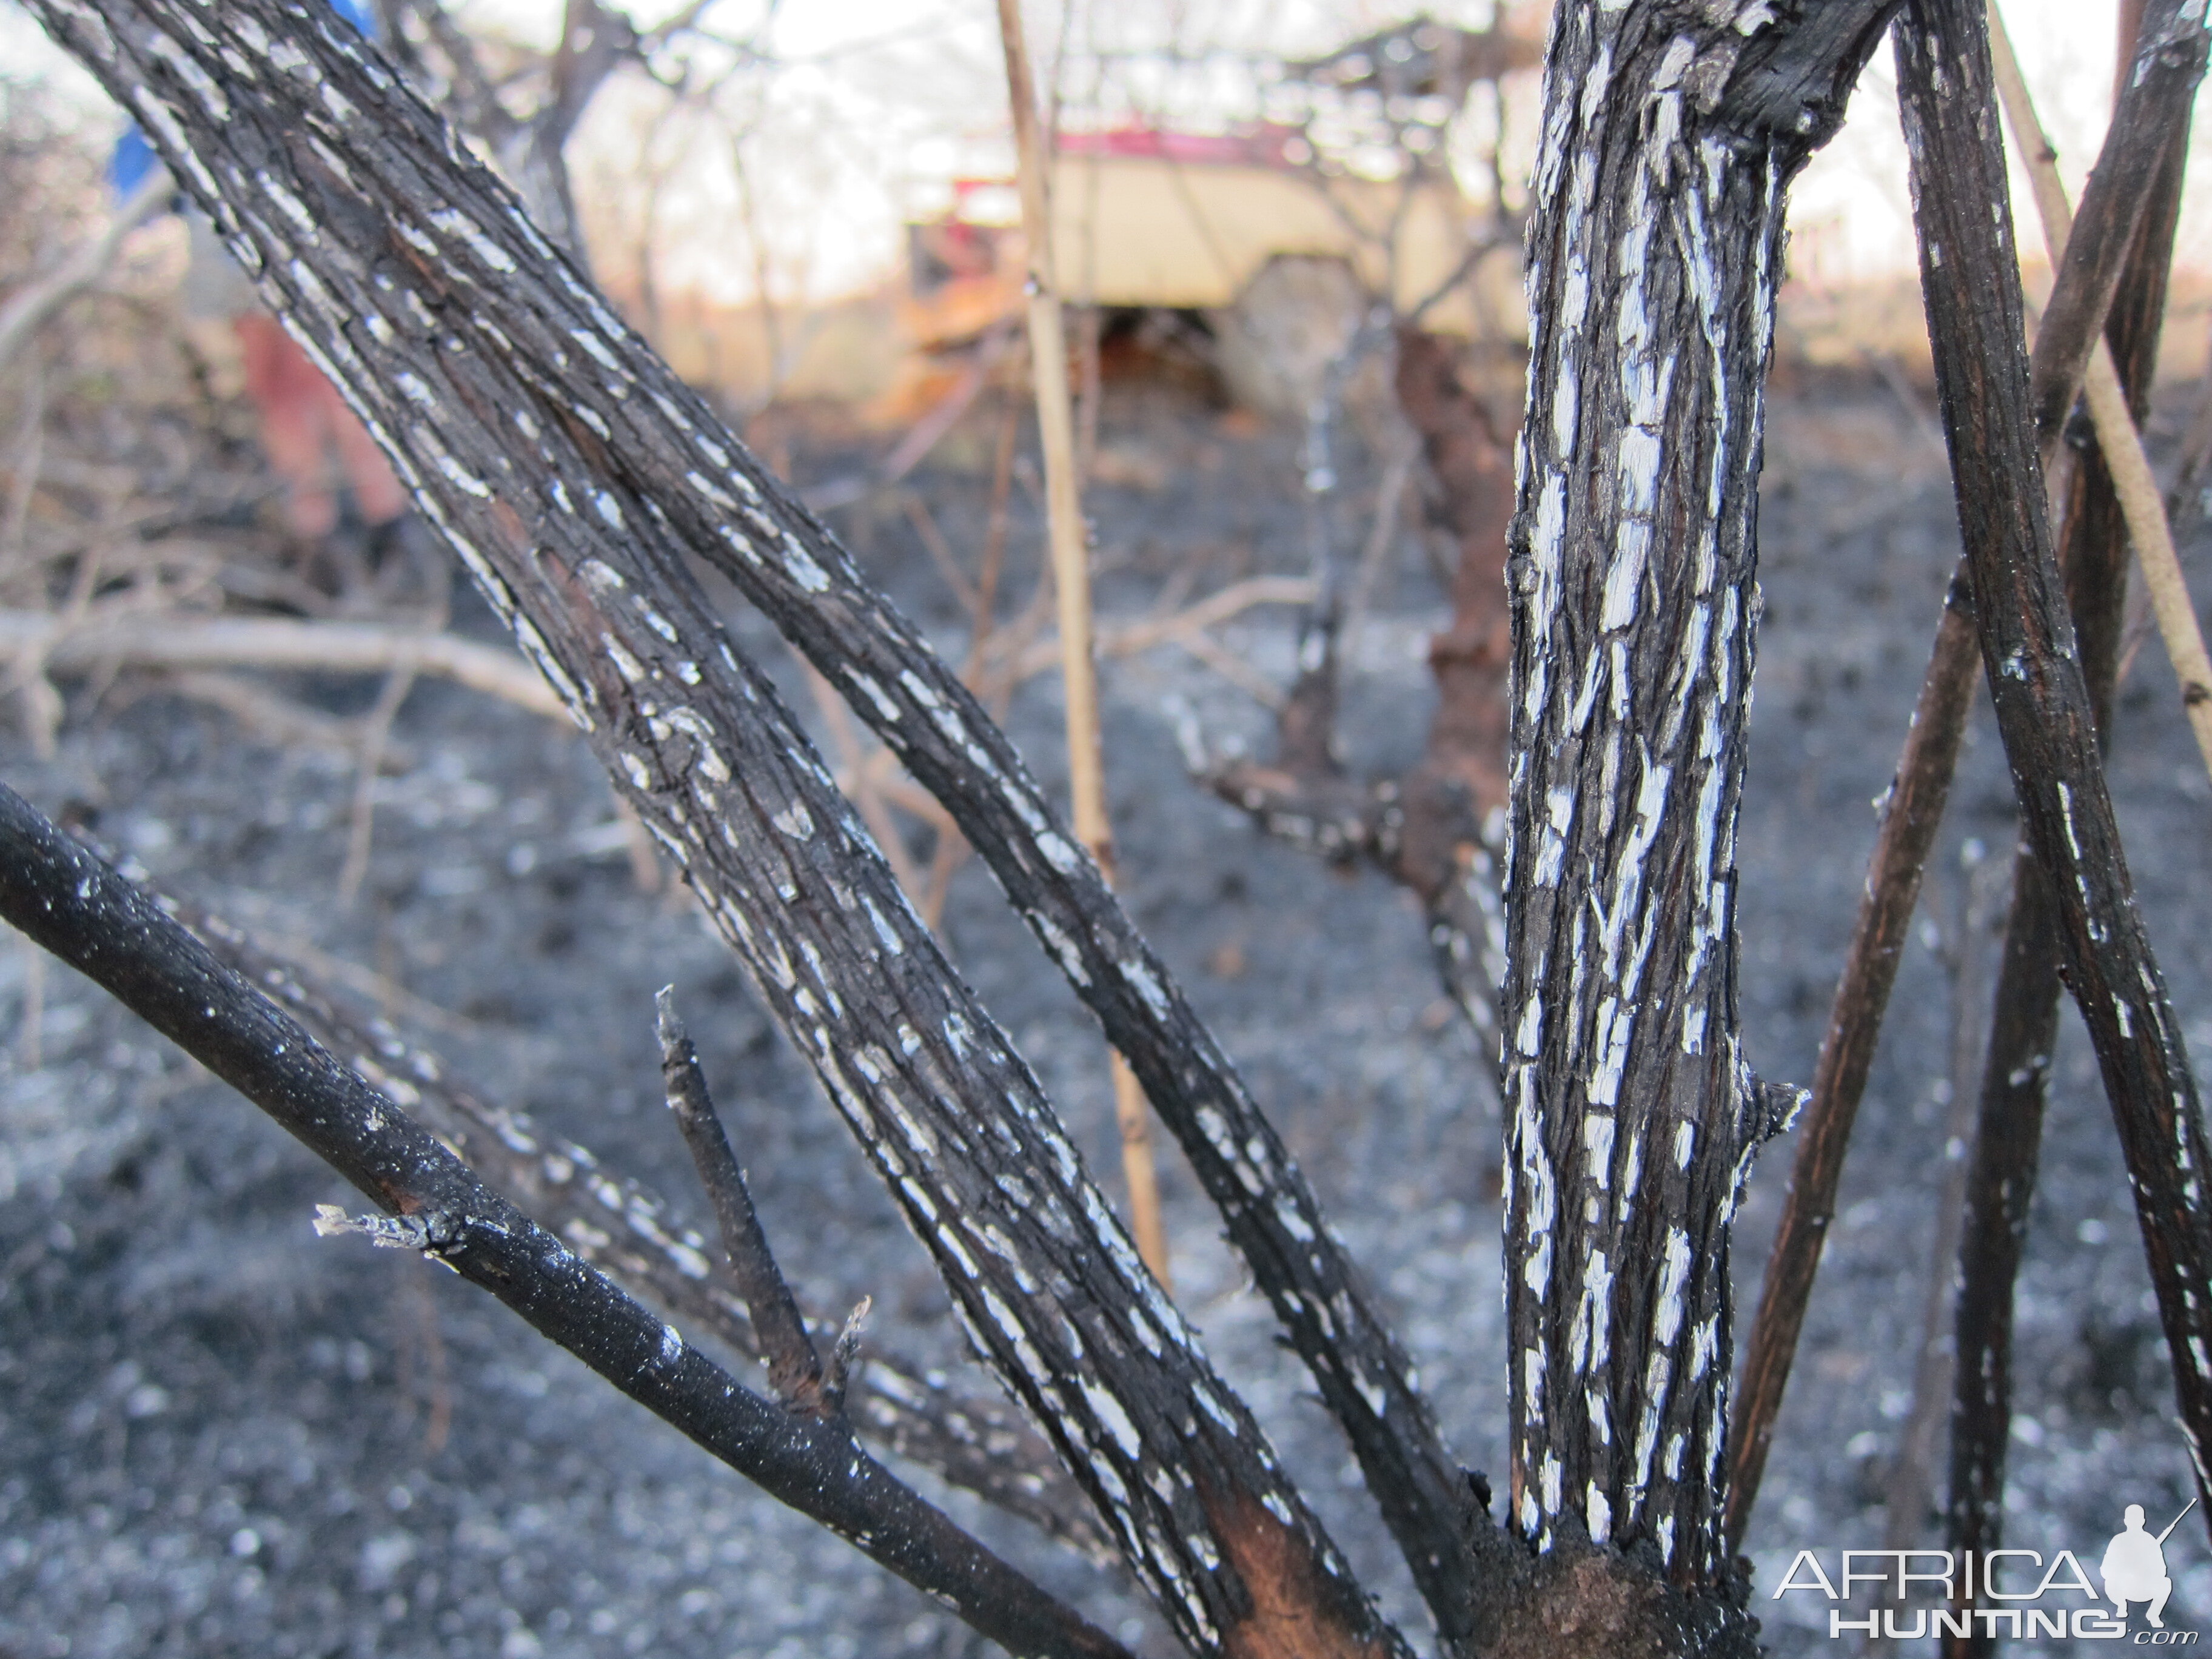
(139,638)
(1912,813)
(2045,711)
(574,473)
(39,301)
(794,1371)
(81,910)
(624,1228)
(2160,84)
(2133,484)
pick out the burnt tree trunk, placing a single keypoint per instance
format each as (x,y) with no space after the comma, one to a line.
(578,478)
(1669,134)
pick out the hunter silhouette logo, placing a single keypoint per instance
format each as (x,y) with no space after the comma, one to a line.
(2134,1567)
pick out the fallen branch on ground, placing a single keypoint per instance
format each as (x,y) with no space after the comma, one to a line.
(155,639)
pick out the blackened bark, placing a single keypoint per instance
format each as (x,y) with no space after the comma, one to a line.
(2150,123)
(483,330)
(574,473)
(626,1231)
(1924,773)
(71,903)
(1653,259)
(2024,1025)
(2045,712)
(794,1370)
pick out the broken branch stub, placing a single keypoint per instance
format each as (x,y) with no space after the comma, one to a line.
(794,1370)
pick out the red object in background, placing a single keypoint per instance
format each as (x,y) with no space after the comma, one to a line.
(302,419)
(1266,145)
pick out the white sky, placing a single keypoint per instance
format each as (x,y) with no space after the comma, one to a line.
(881,102)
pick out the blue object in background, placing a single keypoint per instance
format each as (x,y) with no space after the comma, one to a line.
(133,159)
(357,13)
(130,165)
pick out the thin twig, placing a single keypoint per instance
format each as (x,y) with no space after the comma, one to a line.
(1179,627)
(940,553)
(158,639)
(1912,811)
(794,1370)
(32,307)
(1911,1471)
(1071,580)
(376,730)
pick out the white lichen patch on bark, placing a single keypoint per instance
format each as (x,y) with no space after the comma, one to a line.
(1651,278)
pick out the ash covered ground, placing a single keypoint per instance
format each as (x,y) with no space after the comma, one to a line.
(219,1434)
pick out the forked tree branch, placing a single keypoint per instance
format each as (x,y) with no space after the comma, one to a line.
(625,1229)
(76,907)
(2158,88)
(573,474)
(1912,814)
(1970,279)
(2024,1026)
(2114,414)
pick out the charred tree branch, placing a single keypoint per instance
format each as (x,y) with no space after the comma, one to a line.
(625,1229)
(77,908)
(2046,711)
(1911,817)
(794,1370)
(575,474)
(1911,813)
(2158,88)
(2024,1026)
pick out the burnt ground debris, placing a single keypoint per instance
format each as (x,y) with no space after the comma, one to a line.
(218,1433)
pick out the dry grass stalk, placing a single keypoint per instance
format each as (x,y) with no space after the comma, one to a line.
(1064,512)
(2142,504)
